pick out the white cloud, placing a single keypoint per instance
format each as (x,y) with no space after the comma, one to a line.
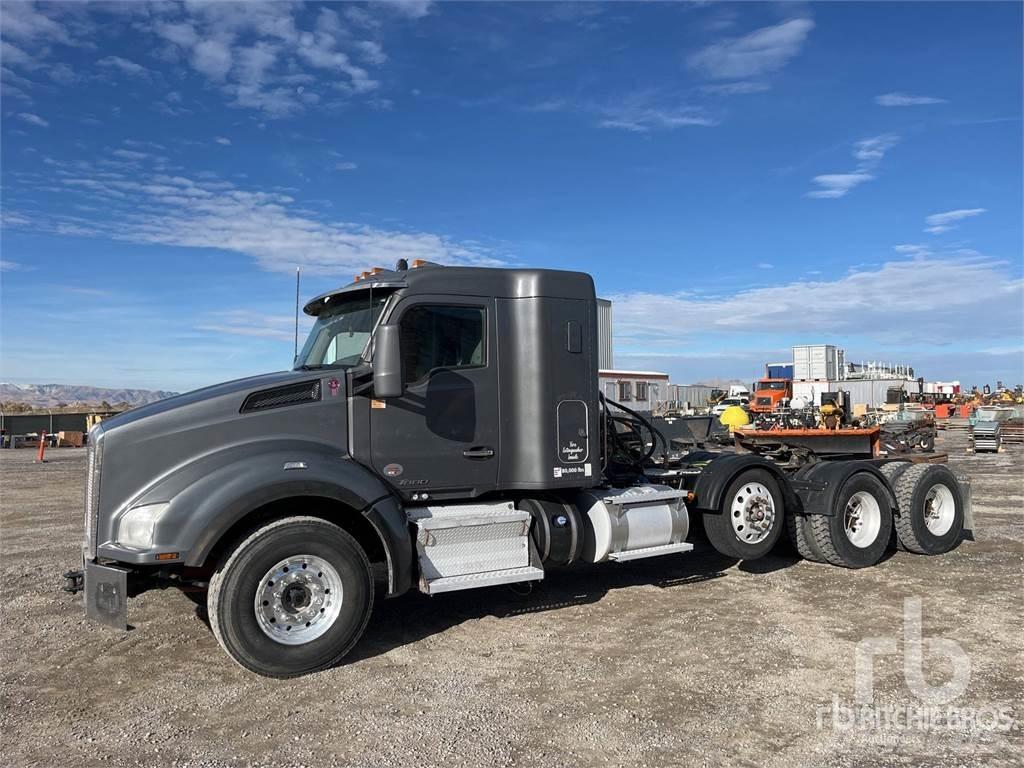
(913,249)
(905,100)
(735,89)
(270,227)
(129,154)
(412,9)
(371,51)
(243,322)
(212,58)
(28,117)
(765,265)
(345,166)
(869,153)
(223,141)
(262,58)
(640,113)
(24,21)
(943,222)
(919,290)
(123,65)
(837,184)
(9,266)
(762,52)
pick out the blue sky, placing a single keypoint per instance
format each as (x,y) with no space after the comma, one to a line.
(737,177)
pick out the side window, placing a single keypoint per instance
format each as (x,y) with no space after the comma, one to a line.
(435,336)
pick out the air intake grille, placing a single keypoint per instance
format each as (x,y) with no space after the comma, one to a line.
(292,394)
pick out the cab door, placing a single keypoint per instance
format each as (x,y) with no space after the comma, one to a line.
(441,437)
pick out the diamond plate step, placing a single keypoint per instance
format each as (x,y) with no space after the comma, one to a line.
(474,580)
(664,549)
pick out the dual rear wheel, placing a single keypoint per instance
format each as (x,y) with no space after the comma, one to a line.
(925,508)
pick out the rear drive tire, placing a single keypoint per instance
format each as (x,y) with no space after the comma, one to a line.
(857,533)
(750,518)
(893,470)
(800,536)
(929,515)
(291,598)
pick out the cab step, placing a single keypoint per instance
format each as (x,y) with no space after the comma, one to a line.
(474,580)
(664,549)
(464,546)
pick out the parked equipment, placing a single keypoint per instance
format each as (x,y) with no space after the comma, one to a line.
(443,428)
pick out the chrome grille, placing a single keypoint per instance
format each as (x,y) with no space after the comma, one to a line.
(92,489)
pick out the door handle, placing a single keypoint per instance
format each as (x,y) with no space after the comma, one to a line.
(479,452)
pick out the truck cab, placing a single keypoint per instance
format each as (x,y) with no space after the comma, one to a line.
(770,393)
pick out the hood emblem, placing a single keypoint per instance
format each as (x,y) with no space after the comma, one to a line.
(333,386)
(393,470)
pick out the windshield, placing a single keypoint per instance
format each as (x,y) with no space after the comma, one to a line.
(778,386)
(340,334)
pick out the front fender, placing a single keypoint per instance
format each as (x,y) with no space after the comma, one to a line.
(203,506)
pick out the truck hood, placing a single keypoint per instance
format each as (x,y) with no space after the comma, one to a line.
(199,431)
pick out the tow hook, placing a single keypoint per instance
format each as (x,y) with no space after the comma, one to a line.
(74,581)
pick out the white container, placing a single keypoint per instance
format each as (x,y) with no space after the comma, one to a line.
(817,362)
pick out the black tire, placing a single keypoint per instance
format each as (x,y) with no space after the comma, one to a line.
(800,536)
(927,443)
(719,525)
(233,587)
(913,509)
(829,531)
(893,469)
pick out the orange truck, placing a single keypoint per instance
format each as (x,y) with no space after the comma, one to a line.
(769,394)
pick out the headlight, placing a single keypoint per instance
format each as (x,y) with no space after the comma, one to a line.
(135,529)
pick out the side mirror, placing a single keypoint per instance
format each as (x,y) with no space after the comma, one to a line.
(387,362)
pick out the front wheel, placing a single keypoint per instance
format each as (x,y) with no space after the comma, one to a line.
(291,598)
(750,518)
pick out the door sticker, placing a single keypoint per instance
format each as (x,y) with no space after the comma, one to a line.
(573,431)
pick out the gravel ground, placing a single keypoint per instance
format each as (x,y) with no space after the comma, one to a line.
(688,659)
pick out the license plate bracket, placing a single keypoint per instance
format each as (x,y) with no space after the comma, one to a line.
(106,594)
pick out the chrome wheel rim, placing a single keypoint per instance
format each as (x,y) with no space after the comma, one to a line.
(752,513)
(298,600)
(862,519)
(939,509)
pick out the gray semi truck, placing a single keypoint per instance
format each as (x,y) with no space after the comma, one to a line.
(442,429)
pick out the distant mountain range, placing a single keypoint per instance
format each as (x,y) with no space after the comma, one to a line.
(54,395)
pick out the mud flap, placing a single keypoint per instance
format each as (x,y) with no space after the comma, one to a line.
(106,594)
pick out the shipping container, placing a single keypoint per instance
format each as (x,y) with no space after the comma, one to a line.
(778,370)
(817,362)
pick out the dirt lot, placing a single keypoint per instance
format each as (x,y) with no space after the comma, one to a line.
(689,659)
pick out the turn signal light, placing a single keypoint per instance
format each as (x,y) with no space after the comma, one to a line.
(167,556)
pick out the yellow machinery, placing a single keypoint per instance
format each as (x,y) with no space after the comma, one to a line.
(831,415)
(734,417)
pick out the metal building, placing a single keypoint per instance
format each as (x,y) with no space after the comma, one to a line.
(639,390)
